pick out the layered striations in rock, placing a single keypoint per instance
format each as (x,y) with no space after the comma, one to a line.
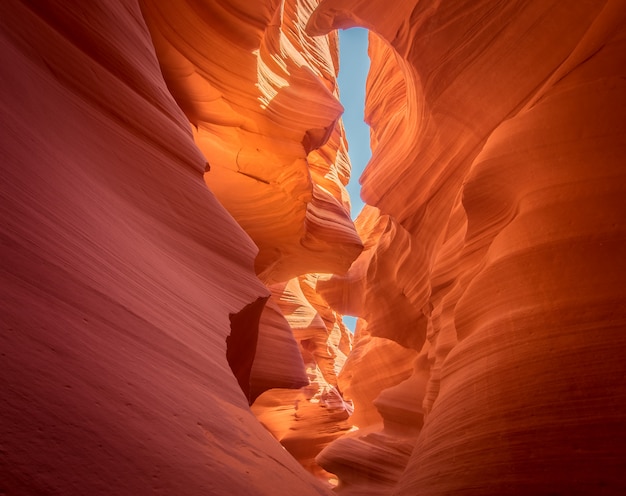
(261,95)
(129,301)
(265,113)
(306,420)
(500,151)
(140,317)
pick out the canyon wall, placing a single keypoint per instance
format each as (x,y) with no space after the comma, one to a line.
(261,95)
(135,328)
(498,138)
(177,245)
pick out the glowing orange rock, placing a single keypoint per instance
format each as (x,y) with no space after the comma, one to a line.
(262,97)
(387,266)
(307,420)
(498,146)
(374,365)
(277,360)
(492,282)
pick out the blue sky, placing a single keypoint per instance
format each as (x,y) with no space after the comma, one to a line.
(353,67)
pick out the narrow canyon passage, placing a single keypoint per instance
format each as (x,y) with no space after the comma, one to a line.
(179,251)
(354,66)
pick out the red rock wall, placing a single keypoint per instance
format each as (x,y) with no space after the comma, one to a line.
(262,100)
(120,269)
(500,152)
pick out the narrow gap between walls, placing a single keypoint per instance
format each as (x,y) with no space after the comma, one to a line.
(354,64)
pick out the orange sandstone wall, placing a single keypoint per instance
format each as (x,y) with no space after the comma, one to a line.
(489,280)
(130,302)
(261,95)
(306,420)
(498,148)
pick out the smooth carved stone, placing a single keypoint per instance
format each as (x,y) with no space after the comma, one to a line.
(277,361)
(119,273)
(498,147)
(262,97)
(374,364)
(307,420)
(387,266)
(488,270)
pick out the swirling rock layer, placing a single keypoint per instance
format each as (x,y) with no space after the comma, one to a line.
(262,97)
(129,301)
(490,281)
(499,151)
(307,420)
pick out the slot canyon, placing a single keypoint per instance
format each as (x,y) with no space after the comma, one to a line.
(178,250)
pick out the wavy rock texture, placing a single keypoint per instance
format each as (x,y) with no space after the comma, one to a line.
(498,146)
(490,281)
(372,460)
(386,267)
(128,292)
(381,379)
(265,114)
(262,97)
(374,365)
(307,420)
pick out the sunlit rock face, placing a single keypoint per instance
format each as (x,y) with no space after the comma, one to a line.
(498,148)
(387,266)
(262,100)
(306,420)
(261,95)
(278,361)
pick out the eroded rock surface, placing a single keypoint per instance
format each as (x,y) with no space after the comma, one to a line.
(261,95)
(498,147)
(119,273)
(490,279)
(307,420)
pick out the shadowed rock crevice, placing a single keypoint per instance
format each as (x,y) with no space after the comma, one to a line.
(242,341)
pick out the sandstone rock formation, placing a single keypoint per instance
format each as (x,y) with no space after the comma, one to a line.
(278,361)
(127,289)
(499,150)
(262,97)
(142,312)
(307,420)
